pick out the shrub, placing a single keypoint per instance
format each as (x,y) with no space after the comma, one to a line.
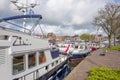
(104,73)
(113,48)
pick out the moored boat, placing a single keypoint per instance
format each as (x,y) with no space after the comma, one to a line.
(93,46)
(26,56)
(80,52)
(66,47)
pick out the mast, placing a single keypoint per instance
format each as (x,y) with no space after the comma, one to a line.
(25,12)
(23,7)
(26,9)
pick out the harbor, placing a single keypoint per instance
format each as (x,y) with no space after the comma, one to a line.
(60,40)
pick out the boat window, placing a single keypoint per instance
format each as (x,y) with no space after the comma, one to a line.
(18,64)
(76,46)
(55,54)
(4,37)
(42,57)
(72,46)
(31,60)
(63,46)
(81,47)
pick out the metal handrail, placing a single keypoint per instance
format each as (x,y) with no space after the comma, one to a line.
(25,30)
(14,30)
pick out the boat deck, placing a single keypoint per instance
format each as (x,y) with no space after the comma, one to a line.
(80,51)
(80,72)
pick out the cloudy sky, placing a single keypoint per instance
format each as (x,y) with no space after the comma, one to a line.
(62,17)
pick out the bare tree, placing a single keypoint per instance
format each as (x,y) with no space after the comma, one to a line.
(106,18)
(117,27)
(116,21)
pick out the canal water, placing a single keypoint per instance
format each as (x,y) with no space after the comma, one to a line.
(63,73)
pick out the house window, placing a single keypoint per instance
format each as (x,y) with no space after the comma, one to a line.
(42,57)
(18,64)
(31,60)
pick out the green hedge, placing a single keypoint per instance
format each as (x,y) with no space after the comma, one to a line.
(113,48)
(104,73)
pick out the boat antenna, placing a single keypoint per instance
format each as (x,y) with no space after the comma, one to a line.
(24,7)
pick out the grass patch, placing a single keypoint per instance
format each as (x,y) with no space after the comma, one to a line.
(113,48)
(104,73)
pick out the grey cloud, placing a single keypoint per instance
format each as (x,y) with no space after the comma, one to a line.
(72,14)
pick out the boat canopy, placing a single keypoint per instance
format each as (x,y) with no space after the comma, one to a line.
(21,16)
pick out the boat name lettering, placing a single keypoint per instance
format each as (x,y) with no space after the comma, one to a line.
(20,42)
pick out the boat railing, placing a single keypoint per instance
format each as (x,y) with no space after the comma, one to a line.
(15,26)
(23,31)
(19,29)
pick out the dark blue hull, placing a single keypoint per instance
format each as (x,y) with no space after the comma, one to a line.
(79,56)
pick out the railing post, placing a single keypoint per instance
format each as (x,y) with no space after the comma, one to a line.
(26,61)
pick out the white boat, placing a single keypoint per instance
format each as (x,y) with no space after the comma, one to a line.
(80,51)
(66,47)
(95,45)
(24,56)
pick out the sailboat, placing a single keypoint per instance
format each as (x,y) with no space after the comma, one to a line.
(26,56)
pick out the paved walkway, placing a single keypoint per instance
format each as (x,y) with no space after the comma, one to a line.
(111,59)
